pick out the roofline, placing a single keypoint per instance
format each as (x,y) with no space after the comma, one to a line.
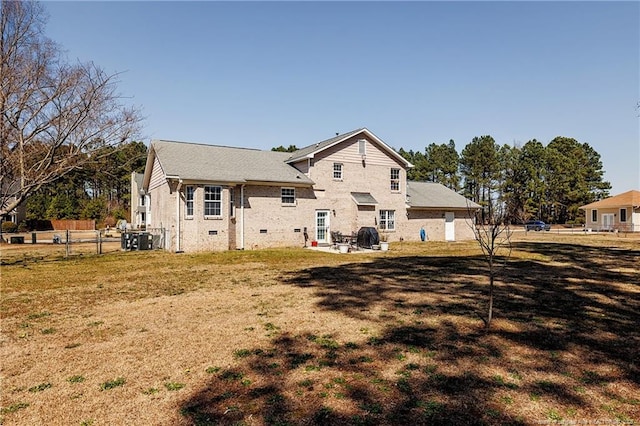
(439,208)
(241,182)
(208,144)
(151,156)
(617,206)
(349,135)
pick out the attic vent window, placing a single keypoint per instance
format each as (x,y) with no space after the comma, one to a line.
(362,146)
(263,231)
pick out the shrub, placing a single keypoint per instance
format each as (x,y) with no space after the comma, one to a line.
(9,227)
(23,227)
(94,209)
(110,221)
(119,213)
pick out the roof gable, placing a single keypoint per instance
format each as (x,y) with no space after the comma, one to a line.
(214,163)
(430,195)
(311,150)
(629,198)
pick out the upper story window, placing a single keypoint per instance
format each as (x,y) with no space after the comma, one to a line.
(395,179)
(623,215)
(288,196)
(362,146)
(387,220)
(189,199)
(594,215)
(337,171)
(142,200)
(212,201)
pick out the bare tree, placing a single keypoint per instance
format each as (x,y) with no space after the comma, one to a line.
(53,115)
(494,237)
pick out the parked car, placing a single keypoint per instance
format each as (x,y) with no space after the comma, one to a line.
(536,225)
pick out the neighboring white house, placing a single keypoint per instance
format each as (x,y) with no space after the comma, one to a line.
(620,213)
(223,198)
(139,202)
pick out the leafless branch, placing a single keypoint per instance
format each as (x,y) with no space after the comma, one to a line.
(53,115)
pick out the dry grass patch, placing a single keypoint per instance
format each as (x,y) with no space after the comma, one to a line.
(294,336)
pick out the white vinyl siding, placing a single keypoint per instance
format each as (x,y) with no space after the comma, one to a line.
(158,177)
(212,201)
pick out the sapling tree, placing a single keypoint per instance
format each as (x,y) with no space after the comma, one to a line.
(494,238)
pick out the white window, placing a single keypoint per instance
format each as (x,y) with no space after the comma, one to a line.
(594,216)
(232,203)
(395,179)
(387,220)
(337,171)
(212,201)
(623,215)
(362,146)
(189,197)
(288,196)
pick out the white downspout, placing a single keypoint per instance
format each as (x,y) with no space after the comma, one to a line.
(241,217)
(178,216)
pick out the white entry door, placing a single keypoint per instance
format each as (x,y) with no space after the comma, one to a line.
(322,226)
(449,226)
(607,221)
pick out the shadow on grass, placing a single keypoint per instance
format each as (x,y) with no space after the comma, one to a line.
(433,363)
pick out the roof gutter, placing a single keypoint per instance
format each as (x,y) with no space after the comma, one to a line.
(241,217)
(178,187)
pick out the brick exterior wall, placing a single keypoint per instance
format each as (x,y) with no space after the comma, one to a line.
(265,221)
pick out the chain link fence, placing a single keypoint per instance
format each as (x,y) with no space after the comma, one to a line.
(65,244)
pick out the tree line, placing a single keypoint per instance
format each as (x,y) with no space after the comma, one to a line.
(99,190)
(531,181)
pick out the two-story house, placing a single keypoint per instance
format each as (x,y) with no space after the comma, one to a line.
(217,198)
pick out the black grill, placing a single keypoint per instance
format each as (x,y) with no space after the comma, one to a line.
(367,237)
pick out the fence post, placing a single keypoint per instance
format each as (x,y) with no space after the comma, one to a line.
(99,241)
(67,244)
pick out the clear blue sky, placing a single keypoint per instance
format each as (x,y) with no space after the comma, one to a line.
(263,74)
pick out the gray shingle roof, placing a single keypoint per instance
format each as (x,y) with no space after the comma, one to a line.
(213,163)
(364,199)
(434,195)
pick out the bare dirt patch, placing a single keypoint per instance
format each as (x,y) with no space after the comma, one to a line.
(300,337)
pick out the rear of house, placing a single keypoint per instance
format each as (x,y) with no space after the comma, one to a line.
(223,198)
